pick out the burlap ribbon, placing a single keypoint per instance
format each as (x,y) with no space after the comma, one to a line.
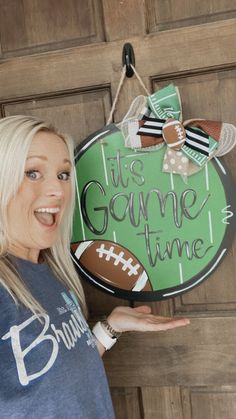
(189,144)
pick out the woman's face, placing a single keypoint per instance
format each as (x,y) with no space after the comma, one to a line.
(35,212)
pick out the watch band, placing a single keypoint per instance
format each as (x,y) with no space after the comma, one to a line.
(103,337)
(113,332)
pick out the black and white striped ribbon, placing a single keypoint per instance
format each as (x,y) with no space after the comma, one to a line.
(196,140)
(152,127)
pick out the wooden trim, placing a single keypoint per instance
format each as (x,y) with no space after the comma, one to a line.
(74,68)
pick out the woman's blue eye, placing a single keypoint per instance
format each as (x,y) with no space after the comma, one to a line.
(32,174)
(64,176)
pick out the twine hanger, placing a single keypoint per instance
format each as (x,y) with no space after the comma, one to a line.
(127,70)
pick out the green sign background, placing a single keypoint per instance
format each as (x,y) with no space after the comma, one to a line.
(175,229)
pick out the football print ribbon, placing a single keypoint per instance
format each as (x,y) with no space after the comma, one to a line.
(159,123)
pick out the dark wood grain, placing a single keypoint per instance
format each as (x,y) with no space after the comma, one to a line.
(61,60)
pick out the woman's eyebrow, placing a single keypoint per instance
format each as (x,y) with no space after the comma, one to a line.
(37,157)
(45,158)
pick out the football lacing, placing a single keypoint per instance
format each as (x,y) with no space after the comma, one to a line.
(180,133)
(118,258)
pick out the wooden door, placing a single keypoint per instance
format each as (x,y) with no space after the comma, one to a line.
(61,60)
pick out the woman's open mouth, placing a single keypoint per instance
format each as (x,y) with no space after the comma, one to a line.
(47,216)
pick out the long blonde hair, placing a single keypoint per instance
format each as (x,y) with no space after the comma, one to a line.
(16,135)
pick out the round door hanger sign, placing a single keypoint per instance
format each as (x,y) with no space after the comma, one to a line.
(143,234)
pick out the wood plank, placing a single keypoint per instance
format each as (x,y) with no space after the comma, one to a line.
(78,113)
(218,293)
(169,14)
(215,403)
(123,19)
(200,354)
(43,25)
(162,402)
(126,403)
(93,65)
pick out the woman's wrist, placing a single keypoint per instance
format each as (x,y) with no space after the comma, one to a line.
(109,329)
(105,334)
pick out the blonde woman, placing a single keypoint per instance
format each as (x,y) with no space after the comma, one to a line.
(50,361)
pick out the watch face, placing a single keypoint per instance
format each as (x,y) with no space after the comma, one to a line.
(143,234)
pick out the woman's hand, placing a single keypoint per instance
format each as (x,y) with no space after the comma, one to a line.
(140,319)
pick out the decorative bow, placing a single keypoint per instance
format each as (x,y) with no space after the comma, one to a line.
(194,141)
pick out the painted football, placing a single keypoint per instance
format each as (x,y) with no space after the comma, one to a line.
(112,264)
(174,133)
